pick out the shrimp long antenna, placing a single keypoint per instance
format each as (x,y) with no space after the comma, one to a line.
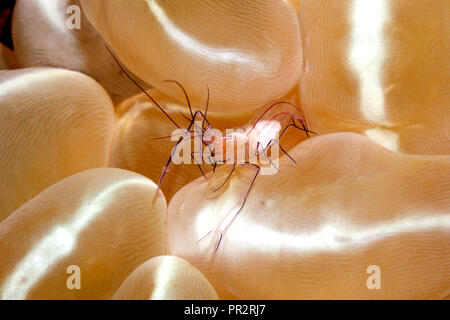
(207,102)
(185,94)
(141,88)
(182,114)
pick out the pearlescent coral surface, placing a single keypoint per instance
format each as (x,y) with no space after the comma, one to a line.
(53,123)
(42,38)
(379,68)
(166,278)
(247,51)
(313,229)
(225,149)
(104,222)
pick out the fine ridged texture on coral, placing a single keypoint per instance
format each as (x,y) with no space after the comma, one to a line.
(166,278)
(53,123)
(244,63)
(105,221)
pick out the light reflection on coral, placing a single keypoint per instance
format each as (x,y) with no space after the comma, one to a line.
(367,53)
(332,236)
(221,55)
(386,138)
(54,246)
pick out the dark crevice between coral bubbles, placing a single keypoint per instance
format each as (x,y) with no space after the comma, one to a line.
(6,9)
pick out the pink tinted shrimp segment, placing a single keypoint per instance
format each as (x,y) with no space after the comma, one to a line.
(266,127)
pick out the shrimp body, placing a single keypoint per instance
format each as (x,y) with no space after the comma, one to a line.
(242,145)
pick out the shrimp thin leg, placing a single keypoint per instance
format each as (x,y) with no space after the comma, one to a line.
(198,165)
(196,161)
(219,231)
(294,125)
(169,161)
(281,148)
(264,153)
(228,177)
(166,166)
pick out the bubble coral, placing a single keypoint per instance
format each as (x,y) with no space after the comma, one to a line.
(370,192)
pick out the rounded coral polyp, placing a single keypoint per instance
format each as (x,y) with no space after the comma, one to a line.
(355,206)
(53,123)
(379,68)
(312,230)
(80,238)
(43,39)
(248,52)
(166,278)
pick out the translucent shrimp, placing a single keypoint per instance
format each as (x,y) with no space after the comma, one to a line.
(263,131)
(248,146)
